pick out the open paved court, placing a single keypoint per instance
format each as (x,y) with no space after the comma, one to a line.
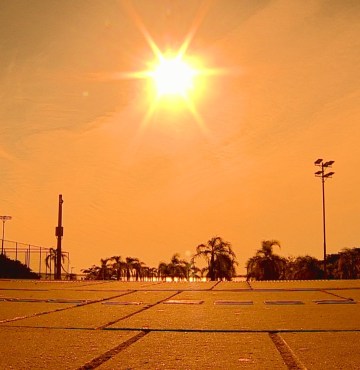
(180,325)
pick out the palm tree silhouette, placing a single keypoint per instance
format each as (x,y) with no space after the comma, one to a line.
(133,267)
(104,269)
(118,266)
(51,259)
(177,267)
(163,271)
(266,265)
(220,258)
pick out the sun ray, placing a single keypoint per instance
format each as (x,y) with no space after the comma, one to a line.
(196,115)
(140,25)
(194,27)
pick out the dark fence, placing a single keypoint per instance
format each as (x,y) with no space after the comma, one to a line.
(38,259)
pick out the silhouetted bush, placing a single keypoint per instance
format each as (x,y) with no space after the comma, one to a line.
(11,269)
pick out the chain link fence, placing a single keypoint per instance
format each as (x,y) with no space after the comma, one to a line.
(38,259)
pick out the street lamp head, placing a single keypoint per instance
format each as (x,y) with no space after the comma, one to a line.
(329,174)
(329,163)
(5,218)
(318,173)
(318,161)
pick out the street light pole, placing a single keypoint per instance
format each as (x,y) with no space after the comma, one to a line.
(3,218)
(59,232)
(321,173)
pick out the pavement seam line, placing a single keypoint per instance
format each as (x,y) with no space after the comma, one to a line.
(135,313)
(62,309)
(238,331)
(337,295)
(287,354)
(97,361)
(217,283)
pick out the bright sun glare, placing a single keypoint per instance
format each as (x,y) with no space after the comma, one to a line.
(173,76)
(176,79)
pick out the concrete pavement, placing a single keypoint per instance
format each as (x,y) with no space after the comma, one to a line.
(178,325)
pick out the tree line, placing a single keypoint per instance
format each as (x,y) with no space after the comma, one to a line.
(221,264)
(218,254)
(267,265)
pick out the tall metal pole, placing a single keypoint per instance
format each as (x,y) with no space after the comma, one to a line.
(319,162)
(3,218)
(324,221)
(2,240)
(59,231)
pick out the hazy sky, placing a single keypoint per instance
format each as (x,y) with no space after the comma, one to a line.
(151,188)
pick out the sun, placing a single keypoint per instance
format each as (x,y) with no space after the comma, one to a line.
(176,80)
(172,76)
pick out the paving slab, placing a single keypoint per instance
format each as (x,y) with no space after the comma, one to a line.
(163,350)
(184,285)
(153,285)
(256,317)
(124,285)
(353,294)
(89,316)
(326,350)
(153,334)
(94,315)
(34,348)
(57,294)
(305,284)
(232,285)
(44,284)
(17,310)
(145,297)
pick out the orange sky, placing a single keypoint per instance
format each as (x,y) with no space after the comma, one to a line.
(150,191)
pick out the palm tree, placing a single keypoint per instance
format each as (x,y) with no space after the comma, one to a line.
(51,258)
(145,273)
(104,269)
(266,265)
(216,251)
(133,266)
(139,267)
(163,271)
(177,267)
(118,266)
(192,271)
(153,272)
(225,267)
